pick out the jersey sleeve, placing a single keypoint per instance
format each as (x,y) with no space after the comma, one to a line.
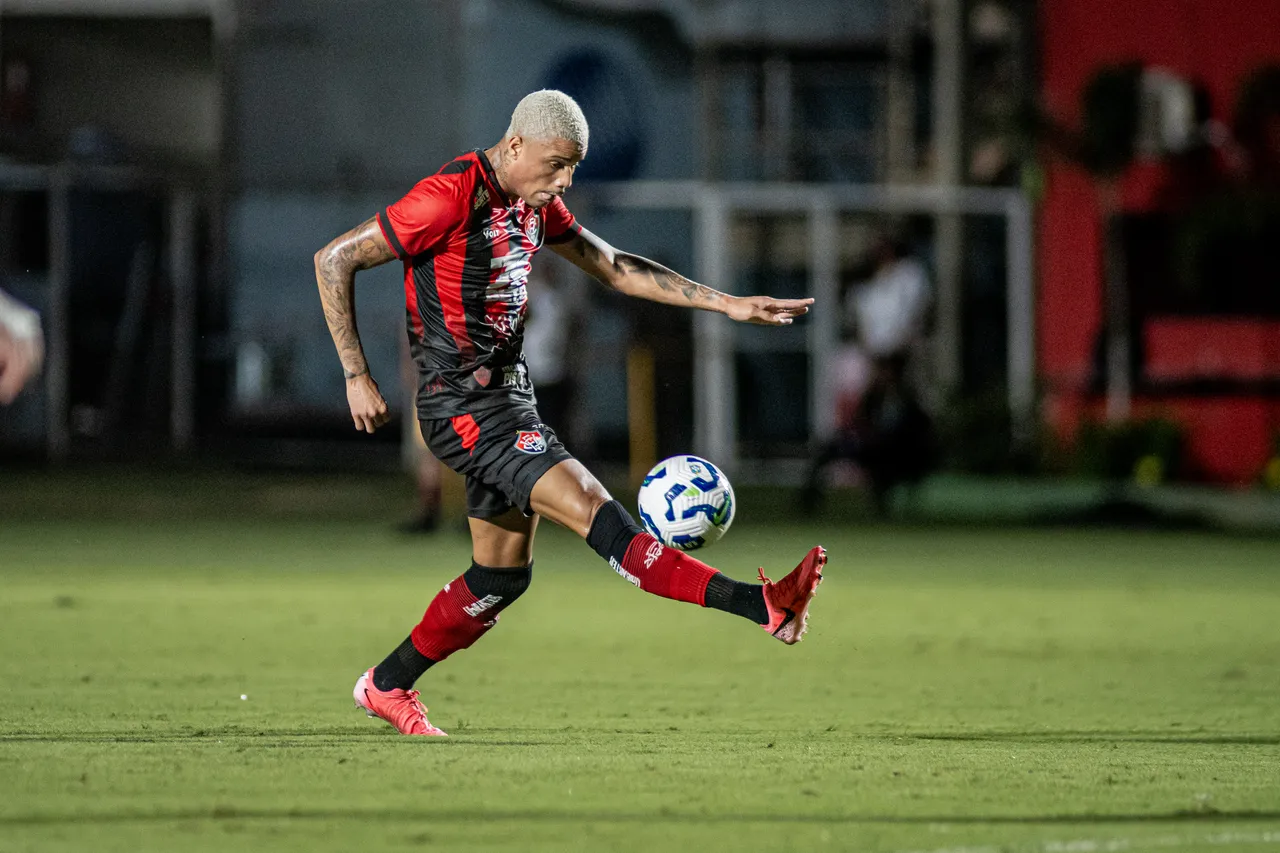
(422,219)
(560,223)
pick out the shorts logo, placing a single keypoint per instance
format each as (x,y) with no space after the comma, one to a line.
(651,556)
(530,441)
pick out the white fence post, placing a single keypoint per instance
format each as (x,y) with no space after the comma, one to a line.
(1021,318)
(715,390)
(824,322)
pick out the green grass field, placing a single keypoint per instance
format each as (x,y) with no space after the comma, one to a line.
(967,690)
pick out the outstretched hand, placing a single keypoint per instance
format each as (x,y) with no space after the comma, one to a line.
(368,409)
(767,311)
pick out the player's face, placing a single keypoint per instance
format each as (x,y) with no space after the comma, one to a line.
(542,169)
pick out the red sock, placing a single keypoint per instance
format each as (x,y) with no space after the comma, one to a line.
(467,607)
(665,571)
(446,627)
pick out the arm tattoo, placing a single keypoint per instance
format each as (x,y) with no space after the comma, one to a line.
(644,278)
(667,280)
(336,266)
(637,276)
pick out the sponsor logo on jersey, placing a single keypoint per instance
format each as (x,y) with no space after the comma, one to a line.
(626,575)
(478,607)
(651,556)
(530,441)
(516,376)
(482,197)
(492,233)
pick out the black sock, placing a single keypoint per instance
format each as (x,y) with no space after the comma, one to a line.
(612,531)
(731,596)
(402,667)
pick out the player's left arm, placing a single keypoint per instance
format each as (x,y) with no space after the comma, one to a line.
(646,279)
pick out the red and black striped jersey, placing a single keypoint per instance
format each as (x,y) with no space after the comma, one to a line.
(467,250)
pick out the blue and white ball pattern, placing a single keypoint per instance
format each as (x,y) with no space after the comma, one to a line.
(686,502)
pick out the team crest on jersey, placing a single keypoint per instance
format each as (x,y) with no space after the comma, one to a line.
(531,229)
(482,197)
(530,441)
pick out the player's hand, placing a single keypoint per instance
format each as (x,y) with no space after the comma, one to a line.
(766,311)
(368,409)
(20,359)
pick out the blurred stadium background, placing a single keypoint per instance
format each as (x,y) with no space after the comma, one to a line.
(169,167)
(1093,190)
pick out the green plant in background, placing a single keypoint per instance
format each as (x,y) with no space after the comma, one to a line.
(1147,451)
(1271,470)
(977,432)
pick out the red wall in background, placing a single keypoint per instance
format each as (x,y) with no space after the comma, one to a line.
(1215,42)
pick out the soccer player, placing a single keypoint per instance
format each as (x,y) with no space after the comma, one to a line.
(21,347)
(466,236)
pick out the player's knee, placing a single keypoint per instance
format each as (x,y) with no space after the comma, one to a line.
(611,531)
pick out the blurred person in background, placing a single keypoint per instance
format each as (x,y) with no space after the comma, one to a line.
(21,347)
(880,424)
(467,236)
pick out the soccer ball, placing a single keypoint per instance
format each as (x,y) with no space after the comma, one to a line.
(686,502)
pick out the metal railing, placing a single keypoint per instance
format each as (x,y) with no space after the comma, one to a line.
(180,194)
(715,204)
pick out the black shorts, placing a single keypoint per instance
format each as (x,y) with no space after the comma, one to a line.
(501,451)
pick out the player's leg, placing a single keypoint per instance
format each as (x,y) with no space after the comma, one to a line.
(570,495)
(469,605)
(459,615)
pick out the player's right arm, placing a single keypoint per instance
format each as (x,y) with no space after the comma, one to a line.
(336,266)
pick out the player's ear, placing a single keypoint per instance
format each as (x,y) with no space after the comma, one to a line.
(516,144)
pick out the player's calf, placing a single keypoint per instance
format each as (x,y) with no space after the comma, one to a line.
(644,561)
(460,614)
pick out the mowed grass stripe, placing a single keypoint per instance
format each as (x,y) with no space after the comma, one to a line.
(1000,683)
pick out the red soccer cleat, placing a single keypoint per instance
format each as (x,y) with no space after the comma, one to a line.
(788,599)
(400,708)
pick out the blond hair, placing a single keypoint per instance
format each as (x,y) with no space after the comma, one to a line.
(549,114)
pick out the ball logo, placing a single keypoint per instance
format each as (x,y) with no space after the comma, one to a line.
(530,441)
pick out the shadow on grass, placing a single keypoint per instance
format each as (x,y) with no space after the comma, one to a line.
(466,816)
(1103,737)
(269,740)
(481,738)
